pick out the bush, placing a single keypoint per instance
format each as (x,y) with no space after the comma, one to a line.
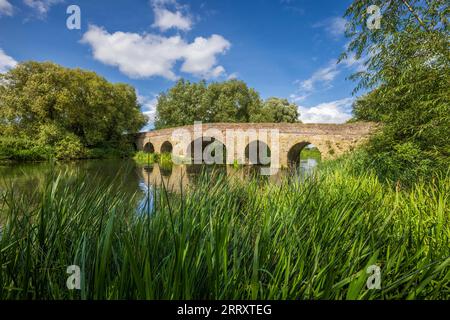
(403,161)
(70,148)
(67,148)
(19,149)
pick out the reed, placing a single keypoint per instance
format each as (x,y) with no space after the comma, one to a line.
(222,239)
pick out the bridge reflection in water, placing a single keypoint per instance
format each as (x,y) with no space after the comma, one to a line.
(177,179)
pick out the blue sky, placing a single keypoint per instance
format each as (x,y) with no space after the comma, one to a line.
(282,48)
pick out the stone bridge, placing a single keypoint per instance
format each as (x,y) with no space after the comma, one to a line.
(281,143)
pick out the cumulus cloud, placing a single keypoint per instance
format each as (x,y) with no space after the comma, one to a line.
(165,20)
(175,18)
(146,55)
(6,8)
(334,26)
(6,62)
(338,111)
(41,7)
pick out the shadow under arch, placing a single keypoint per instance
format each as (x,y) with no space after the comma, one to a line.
(212,145)
(166,147)
(149,148)
(258,153)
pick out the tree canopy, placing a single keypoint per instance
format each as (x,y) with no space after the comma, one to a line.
(56,107)
(229,101)
(408,77)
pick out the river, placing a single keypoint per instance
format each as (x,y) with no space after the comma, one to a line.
(126,175)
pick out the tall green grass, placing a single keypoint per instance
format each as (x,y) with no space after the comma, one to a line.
(224,239)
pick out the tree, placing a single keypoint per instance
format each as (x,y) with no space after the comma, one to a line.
(408,73)
(229,101)
(50,104)
(280,110)
(182,104)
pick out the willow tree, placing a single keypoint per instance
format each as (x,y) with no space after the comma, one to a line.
(60,107)
(407,75)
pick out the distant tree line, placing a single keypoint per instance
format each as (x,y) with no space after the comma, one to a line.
(229,101)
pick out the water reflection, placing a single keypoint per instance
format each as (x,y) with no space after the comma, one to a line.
(128,177)
(307,166)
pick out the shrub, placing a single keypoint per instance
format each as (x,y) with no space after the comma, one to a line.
(19,149)
(70,148)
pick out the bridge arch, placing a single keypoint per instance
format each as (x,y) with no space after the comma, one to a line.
(149,148)
(211,146)
(258,152)
(166,147)
(295,152)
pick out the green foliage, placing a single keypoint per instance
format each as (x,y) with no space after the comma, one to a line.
(311,153)
(165,161)
(70,147)
(18,149)
(299,240)
(408,71)
(51,105)
(145,158)
(229,101)
(277,110)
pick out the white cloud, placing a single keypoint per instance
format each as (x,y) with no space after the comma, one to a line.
(200,56)
(147,55)
(322,76)
(334,26)
(356,64)
(175,18)
(165,20)
(6,8)
(298,97)
(148,107)
(6,62)
(42,7)
(233,76)
(338,111)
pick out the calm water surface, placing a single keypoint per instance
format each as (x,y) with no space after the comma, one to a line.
(125,175)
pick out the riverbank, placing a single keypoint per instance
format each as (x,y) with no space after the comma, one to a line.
(15,150)
(302,239)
